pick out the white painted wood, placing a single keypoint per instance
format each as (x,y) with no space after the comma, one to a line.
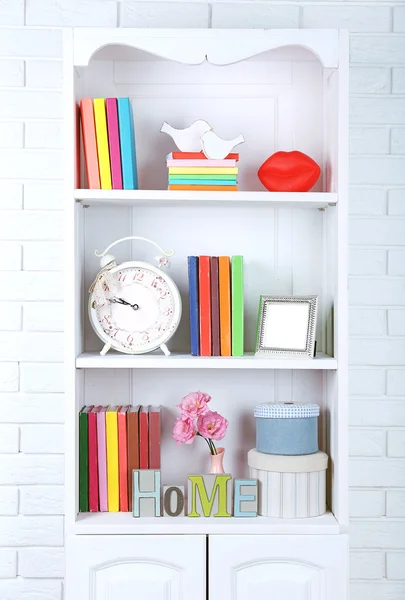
(219,47)
(93,360)
(283,89)
(161,198)
(280,567)
(125,524)
(123,568)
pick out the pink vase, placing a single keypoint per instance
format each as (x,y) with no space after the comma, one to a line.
(217,461)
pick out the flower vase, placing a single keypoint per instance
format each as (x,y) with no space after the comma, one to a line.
(217,461)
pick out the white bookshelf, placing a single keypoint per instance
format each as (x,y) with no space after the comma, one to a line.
(284,90)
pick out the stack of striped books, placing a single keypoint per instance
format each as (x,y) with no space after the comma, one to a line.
(113,441)
(194,171)
(109,143)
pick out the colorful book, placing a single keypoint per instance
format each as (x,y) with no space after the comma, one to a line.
(133,447)
(216,350)
(204,188)
(100,119)
(200,182)
(84,459)
(197,156)
(102,460)
(201,163)
(203,170)
(205,305)
(89,143)
(144,437)
(154,437)
(127,142)
(203,178)
(93,459)
(193,302)
(123,457)
(237,305)
(111,422)
(114,142)
(225,305)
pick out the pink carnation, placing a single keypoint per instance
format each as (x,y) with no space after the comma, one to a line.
(184,431)
(212,425)
(194,404)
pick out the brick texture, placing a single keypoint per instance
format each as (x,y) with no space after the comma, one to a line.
(31,272)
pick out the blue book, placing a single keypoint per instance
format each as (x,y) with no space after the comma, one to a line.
(194,308)
(127,143)
(202,181)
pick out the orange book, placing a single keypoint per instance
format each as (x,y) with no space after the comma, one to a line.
(205,188)
(90,143)
(123,457)
(204,273)
(225,305)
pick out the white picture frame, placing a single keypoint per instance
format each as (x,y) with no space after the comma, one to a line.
(286,326)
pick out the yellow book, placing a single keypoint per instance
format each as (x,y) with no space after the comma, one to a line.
(111,434)
(102,143)
(203,170)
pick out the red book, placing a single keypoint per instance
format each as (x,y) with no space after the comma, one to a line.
(197,156)
(144,437)
(216,351)
(123,457)
(205,305)
(133,446)
(93,460)
(154,437)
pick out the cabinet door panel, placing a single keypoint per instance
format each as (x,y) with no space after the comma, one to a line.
(278,567)
(122,567)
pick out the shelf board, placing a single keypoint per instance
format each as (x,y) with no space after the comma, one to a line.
(161,198)
(157,360)
(126,524)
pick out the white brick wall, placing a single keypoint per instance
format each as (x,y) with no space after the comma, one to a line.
(31,229)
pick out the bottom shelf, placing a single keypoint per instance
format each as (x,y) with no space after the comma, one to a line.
(126,524)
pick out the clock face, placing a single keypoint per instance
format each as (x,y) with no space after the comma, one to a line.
(142,312)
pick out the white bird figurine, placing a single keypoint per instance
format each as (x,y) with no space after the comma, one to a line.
(188,139)
(215,147)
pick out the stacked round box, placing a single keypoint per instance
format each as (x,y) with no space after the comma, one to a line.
(287,463)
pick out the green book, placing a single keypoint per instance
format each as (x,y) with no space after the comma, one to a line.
(237,305)
(84,459)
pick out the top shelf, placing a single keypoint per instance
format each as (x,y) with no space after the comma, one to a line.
(161,198)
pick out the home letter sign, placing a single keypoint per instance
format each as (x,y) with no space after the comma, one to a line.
(245,498)
(173,501)
(209,494)
(146,493)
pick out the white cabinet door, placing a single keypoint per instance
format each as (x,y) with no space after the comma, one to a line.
(278,567)
(109,567)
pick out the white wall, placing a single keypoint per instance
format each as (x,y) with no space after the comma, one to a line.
(31,379)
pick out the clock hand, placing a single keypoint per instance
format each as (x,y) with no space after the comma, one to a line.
(120,301)
(135,306)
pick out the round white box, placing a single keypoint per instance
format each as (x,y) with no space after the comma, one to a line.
(290,487)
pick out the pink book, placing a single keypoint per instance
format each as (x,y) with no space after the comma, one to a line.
(90,143)
(123,457)
(114,142)
(102,460)
(93,459)
(201,163)
(154,437)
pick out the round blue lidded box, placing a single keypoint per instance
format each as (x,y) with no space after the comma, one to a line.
(289,428)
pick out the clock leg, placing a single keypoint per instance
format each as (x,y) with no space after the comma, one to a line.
(165,349)
(105,349)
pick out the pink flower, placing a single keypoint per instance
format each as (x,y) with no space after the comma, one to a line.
(194,404)
(212,425)
(184,430)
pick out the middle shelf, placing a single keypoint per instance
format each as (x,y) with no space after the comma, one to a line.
(113,360)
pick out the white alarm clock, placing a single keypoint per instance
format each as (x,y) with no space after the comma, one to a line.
(134,307)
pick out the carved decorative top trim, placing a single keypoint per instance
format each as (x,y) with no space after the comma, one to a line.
(218,47)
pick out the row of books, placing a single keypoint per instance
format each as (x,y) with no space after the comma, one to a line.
(216,305)
(109,143)
(113,441)
(193,171)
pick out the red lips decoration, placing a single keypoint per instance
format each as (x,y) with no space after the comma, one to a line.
(289,172)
